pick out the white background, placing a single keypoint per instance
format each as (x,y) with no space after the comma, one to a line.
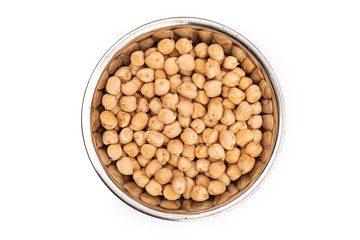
(49,189)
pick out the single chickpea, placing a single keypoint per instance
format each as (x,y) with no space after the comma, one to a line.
(184,164)
(199,80)
(225,179)
(237,126)
(123,119)
(179,184)
(227,139)
(166,46)
(243,181)
(175,82)
(200,65)
(174,160)
(160,73)
(216,52)
(133,189)
(228,117)
(202,180)
(233,172)
(175,147)
(155,60)
(257,108)
(183,46)
(216,169)
(210,136)
(213,88)
(201,50)
(231,79)
(188,152)
(189,136)
(109,101)
(192,172)
(216,151)
(142,105)
(162,155)
(201,151)
(170,101)
(155,105)
(152,167)
(253,93)
(128,103)
(236,95)
(265,89)
(155,138)
(247,65)
(149,51)
(255,122)
(148,151)
(215,109)
(188,90)
(115,110)
(146,74)
(189,186)
(155,124)
(108,120)
(162,87)
(172,130)
(163,175)
(148,90)
(125,166)
(110,137)
(199,193)
(139,121)
(225,91)
(220,127)
(245,83)
(154,188)
(137,58)
(171,205)
(185,108)
(238,53)
(113,85)
(114,151)
(170,66)
(169,193)
(186,62)
(134,69)
(243,137)
(230,62)
(232,156)
(268,122)
(266,138)
(123,73)
(245,163)
(201,97)
(129,88)
(198,111)
(131,149)
(143,162)
(140,178)
(254,149)
(216,187)
(266,106)
(243,111)
(166,116)
(212,68)
(125,135)
(198,125)
(239,72)
(202,165)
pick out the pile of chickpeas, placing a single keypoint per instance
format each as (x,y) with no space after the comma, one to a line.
(185,121)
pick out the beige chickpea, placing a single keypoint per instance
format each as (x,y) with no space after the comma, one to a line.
(215,108)
(113,85)
(114,151)
(255,122)
(133,189)
(166,116)
(216,52)
(189,152)
(171,205)
(202,180)
(231,79)
(170,101)
(155,124)
(254,149)
(239,72)
(200,65)
(175,147)
(245,83)
(189,136)
(212,88)
(268,122)
(199,193)
(143,162)
(199,80)
(174,160)
(201,151)
(228,117)
(142,105)
(256,107)
(146,74)
(148,151)
(247,65)
(125,135)
(236,95)
(227,139)
(201,50)
(228,104)
(184,164)
(266,138)
(192,172)
(123,119)
(110,137)
(155,138)
(125,166)
(155,105)
(172,130)
(123,73)
(198,125)
(137,58)
(148,90)
(129,88)
(169,193)
(139,138)
(212,68)
(108,120)
(116,110)
(253,93)
(220,127)
(162,87)
(237,126)
(134,69)
(186,62)
(230,62)
(166,46)
(216,187)
(149,51)
(188,90)
(155,60)
(170,66)
(128,103)
(243,111)
(216,151)
(245,163)
(243,137)
(225,179)
(201,97)
(140,178)
(225,91)
(160,73)
(210,136)
(185,108)
(266,106)
(198,111)
(139,121)
(189,186)
(243,181)
(175,82)
(179,184)
(233,172)
(202,165)
(131,149)
(163,175)
(216,169)
(183,45)
(154,188)
(265,89)
(232,156)
(152,167)
(162,155)
(147,198)
(238,53)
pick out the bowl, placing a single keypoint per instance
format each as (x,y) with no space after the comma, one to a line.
(142,38)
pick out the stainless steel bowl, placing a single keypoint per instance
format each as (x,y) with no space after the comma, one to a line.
(142,32)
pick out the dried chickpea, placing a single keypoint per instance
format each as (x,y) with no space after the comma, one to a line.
(246,163)
(255,122)
(155,138)
(129,88)
(149,51)
(228,104)
(125,135)
(142,105)
(200,65)
(169,193)
(113,85)
(172,130)
(216,187)
(239,72)
(245,83)
(216,169)
(166,46)
(133,189)
(247,65)
(212,88)
(185,108)
(216,151)
(253,93)
(110,137)
(189,136)
(201,50)
(225,91)
(125,166)
(162,155)
(186,62)
(139,121)
(199,111)
(256,107)
(152,167)
(128,103)
(137,58)
(154,188)
(233,172)
(166,116)
(201,151)
(115,110)
(232,156)
(212,68)
(172,205)
(123,119)
(199,193)
(155,105)
(228,117)
(216,52)
(243,137)
(236,95)
(108,120)
(225,179)
(201,97)
(227,139)
(202,165)
(147,198)
(215,109)
(162,86)
(184,164)
(140,178)
(266,106)
(202,180)
(143,162)
(192,172)
(268,122)
(170,101)
(243,111)
(199,80)
(230,62)
(148,90)
(231,79)
(175,147)
(210,136)
(189,186)
(254,149)
(170,66)
(266,138)
(265,89)
(183,46)
(155,60)
(139,138)
(155,124)
(131,149)
(198,125)
(148,151)
(189,152)
(163,175)
(187,90)
(175,82)
(123,73)
(114,151)
(220,127)
(179,184)
(146,74)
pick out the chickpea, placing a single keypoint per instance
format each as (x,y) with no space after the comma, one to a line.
(148,90)
(215,109)
(253,93)
(202,165)
(114,151)
(113,85)
(199,193)
(227,139)
(201,50)
(212,88)
(266,138)
(225,179)
(185,108)
(212,68)
(134,69)
(174,160)
(149,51)
(166,116)
(140,178)
(216,151)
(228,117)
(155,138)
(147,198)
(163,175)
(243,137)
(166,46)
(236,95)
(199,80)
(148,151)
(202,180)
(216,52)
(202,98)
(188,90)
(186,62)
(201,151)
(125,166)
(152,167)
(143,162)
(172,205)
(155,60)
(162,87)
(146,74)
(257,108)
(154,188)
(189,186)
(183,45)
(172,130)
(189,136)
(110,137)
(189,152)
(216,169)
(126,135)
(216,187)
(199,111)
(228,104)
(169,193)
(245,163)
(155,105)
(230,62)
(233,172)
(128,103)
(137,58)
(142,105)
(179,184)
(225,91)
(232,156)
(162,155)
(231,79)
(198,125)
(243,111)
(175,147)
(245,83)
(123,73)
(139,121)
(254,149)
(192,172)
(170,101)
(268,122)
(210,136)
(184,164)
(200,65)
(266,106)
(129,88)
(175,82)
(108,120)
(255,122)
(131,149)
(123,119)
(239,72)
(139,138)
(115,110)
(247,65)
(155,124)
(170,66)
